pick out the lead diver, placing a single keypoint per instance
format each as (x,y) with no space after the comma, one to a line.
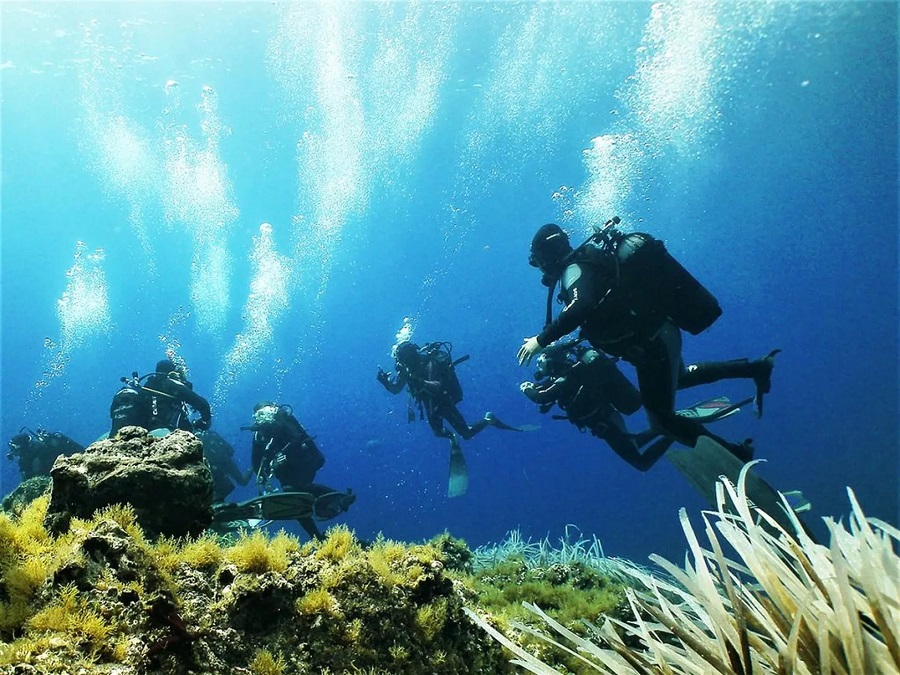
(631,299)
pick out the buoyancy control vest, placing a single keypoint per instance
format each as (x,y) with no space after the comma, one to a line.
(285,435)
(142,402)
(640,285)
(442,367)
(436,364)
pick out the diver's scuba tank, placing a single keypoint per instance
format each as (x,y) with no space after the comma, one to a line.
(129,405)
(638,265)
(655,278)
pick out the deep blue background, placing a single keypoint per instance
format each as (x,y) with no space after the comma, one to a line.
(771,173)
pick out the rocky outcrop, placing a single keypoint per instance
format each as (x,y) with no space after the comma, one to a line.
(25,493)
(164,479)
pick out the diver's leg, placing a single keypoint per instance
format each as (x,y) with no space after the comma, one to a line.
(458,422)
(310,527)
(616,435)
(758,370)
(657,370)
(436,422)
(658,373)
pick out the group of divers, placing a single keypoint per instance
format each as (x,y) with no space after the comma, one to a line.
(628,297)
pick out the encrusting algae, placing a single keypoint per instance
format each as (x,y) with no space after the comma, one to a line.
(104,599)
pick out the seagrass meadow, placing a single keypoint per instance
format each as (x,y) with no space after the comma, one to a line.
(784,604)
(105,599)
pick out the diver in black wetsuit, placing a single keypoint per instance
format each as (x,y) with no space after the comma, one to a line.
(219,455)
(37,450)
(594,395)
(283,449)
(630,299)
(157,401)
(429,375)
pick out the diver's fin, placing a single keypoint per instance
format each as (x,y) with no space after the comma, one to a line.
(714,409)
(494,421)
(287,505)
(710,410)
(255,522)
(275,506)
(458,484)
(709,462)
(332,504)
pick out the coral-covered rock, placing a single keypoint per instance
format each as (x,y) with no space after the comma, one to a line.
(164,479)
(26,492)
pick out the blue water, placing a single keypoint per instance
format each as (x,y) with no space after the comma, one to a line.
(404,154)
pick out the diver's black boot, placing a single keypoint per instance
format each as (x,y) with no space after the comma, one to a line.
(762,377)
(760,371)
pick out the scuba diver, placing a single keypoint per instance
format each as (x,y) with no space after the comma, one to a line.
(594,395)
(429,375)
(219,457)
(36,451)
(631,299)
(282,449)
(159,400)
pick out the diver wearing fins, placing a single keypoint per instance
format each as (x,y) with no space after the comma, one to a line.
(631,299)
(284,450)
(429,375)
(593,393)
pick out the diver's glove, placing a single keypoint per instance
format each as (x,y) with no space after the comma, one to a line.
(202,425)
(528,389)
(279,459)
(382,376)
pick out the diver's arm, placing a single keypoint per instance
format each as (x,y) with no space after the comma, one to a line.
(543,394)
(394,386)
(193,399)
(257,451)
(578,283)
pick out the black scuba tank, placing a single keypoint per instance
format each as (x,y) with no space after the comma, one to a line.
(655,278)
(129,408)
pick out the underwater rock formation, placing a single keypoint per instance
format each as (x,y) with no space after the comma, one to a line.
(25,493)
(164,479)
(104,599)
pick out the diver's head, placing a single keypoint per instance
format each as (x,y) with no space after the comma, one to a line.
(549,249)
(407,354)
(265,412)
(169,368)
(552,363)
(18,443)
